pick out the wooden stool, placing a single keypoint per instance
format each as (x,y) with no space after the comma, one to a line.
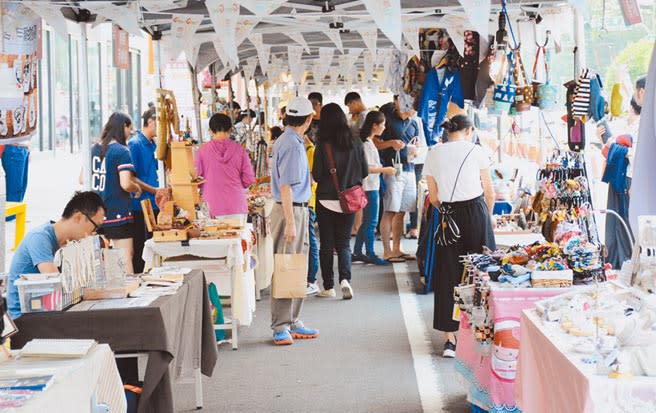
(19,209)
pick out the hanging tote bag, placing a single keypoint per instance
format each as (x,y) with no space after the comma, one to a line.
(504,94)
(351,200)
(289,275)
(524,91)
(547,97)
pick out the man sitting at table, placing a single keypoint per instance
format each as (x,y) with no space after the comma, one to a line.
(82,217)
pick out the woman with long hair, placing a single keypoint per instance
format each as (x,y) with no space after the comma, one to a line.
(459,185)
(227,170)
(113,178)
(335,224)
(374,125)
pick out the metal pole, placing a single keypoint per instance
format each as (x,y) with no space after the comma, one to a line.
(71,118)
(196,96)
(213,87)
(579,41)
(230,100)
(83,87)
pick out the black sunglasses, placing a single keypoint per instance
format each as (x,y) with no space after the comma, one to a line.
(96,228)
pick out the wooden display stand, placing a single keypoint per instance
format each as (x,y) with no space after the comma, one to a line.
(184,179)
(161,235)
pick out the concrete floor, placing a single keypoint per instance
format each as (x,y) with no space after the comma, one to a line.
(364,360)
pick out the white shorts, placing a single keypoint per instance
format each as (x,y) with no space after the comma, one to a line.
(400,193)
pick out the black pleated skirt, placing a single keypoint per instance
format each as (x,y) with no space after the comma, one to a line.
(476,231)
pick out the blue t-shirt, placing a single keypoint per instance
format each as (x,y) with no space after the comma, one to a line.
(142,151)
(106,183)
(38,247)
(290,167)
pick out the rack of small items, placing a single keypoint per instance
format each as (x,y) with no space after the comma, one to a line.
(564,206)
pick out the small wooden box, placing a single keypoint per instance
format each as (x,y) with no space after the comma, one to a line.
(170,235)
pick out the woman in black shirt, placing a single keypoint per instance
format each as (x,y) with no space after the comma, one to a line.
(334,224)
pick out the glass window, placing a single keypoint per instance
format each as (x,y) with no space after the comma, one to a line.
(75,97)
(95,101)
(112,88)
(62,84)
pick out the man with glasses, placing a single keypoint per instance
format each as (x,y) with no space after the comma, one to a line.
(83,215)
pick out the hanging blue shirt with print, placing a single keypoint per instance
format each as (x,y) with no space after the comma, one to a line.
(434,102)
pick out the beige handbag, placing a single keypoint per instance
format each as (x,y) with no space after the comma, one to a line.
(289,275)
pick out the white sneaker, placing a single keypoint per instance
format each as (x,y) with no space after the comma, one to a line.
(327,293)
(312,289)
(347,290)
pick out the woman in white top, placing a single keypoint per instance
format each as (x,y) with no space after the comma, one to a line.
(460,186)
(374,125)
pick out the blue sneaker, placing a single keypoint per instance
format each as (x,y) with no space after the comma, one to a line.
(376,260)
(282,338)
(304,333)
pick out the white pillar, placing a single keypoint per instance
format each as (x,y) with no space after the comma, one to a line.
(579,41)
(83,70)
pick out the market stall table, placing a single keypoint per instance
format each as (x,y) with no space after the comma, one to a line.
(174,331)
(553,378)
(490,372)
(216,257)
(78,384)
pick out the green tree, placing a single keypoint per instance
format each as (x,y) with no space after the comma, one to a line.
(635,56)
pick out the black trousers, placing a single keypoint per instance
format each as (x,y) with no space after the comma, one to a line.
(140,235)
(334,234)
(476,231)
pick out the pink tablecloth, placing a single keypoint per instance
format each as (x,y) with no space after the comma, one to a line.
(490,372)
(552,378)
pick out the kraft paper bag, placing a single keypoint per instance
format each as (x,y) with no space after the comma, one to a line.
(289,276)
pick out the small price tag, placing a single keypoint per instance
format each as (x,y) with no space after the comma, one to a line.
(456,312)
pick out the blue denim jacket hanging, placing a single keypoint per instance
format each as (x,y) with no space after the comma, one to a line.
(434,102)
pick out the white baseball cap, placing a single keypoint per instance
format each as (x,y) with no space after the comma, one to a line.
(299,106)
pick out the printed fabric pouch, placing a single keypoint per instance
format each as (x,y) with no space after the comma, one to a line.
(523,91)
(447,232)
(504,94)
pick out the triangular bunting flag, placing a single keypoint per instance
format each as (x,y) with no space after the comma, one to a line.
(127,20)
(51,14)
(478,13)
(325,61)
(249,68)
(183,28)
(370,38)
(368,67)
(245,26)
(261,8)
(296,67)
(387,15)
(225,15)
(298,38)
(263,51)
(411,35)
(336,38)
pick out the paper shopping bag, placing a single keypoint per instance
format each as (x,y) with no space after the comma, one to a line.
(289,276)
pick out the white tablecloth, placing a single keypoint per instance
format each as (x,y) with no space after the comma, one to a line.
(76,381)
(242,279)
(553,378)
